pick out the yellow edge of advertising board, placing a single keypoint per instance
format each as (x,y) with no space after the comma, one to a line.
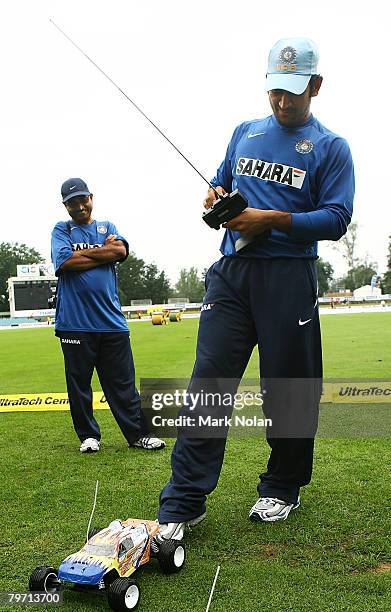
(375,392)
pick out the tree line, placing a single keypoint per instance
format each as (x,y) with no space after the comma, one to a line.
(138,279)
(360,270)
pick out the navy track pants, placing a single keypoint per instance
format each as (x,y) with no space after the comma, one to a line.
(271,303)
(111,354)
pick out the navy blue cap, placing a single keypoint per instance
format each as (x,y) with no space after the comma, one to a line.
(74,187)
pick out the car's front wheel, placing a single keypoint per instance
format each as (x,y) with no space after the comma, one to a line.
(123,594)
(44,578)
(171,556)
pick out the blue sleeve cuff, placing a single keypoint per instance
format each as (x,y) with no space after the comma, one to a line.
(301,225)
(323,224)
(62,256)
(126,247)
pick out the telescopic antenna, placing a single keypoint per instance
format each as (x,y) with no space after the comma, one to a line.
(93,510)
(134,104)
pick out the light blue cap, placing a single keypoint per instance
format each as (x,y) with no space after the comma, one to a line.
(292,61)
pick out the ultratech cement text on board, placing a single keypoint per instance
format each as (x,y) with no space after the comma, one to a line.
(36,401)
(354,391)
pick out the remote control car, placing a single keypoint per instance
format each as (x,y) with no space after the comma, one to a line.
(108,559)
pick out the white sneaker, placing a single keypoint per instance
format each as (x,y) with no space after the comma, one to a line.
(176,531)
(149,443)
(89,446)
(271,509)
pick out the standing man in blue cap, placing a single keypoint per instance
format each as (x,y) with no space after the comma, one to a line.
(298,179)
(90,324)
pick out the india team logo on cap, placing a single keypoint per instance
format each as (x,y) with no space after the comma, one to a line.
(287,57)
(304,146)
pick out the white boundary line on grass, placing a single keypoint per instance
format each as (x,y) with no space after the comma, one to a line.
(196,315)
(353,310)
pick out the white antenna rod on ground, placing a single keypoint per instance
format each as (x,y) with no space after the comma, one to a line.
(93,509)
(213,588)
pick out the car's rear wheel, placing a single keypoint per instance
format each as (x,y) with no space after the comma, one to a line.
(123,594)
(44,578)
(171,556)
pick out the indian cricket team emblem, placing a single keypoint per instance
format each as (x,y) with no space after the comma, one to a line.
(102,229)
(304,146)
(288,55)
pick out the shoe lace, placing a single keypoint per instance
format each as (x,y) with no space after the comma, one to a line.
(89,442)
(267,501)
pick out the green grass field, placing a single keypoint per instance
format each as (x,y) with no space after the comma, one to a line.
(331,555)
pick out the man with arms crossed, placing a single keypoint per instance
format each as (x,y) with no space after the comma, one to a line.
(90,324)
(298,179)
